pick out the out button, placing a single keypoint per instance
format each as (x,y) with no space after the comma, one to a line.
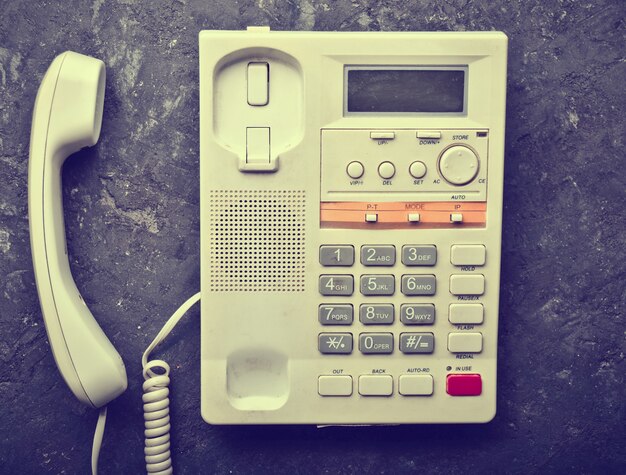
(467,384)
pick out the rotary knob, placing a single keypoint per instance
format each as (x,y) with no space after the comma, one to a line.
(458,165)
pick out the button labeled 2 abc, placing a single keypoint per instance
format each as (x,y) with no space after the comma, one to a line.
(381,255)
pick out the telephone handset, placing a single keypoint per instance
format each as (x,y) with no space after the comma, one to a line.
(66,118)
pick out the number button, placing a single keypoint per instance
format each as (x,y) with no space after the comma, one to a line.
(378,255)
(419,255)
(335,343)
(336,314)
(337,256)
(417,314)
(378,285)
(417,343)
(376,343)
(336,285)
(419,285)
(380,314)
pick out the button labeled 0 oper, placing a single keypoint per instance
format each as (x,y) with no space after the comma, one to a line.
(376,343)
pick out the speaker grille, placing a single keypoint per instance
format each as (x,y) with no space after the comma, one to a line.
(256,240)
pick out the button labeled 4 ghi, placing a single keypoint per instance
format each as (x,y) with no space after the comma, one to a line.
(336,285)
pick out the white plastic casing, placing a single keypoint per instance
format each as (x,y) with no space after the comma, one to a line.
(263,221)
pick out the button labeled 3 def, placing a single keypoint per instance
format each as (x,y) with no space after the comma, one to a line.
(419,255)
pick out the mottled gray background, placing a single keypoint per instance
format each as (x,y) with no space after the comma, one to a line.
(132,211)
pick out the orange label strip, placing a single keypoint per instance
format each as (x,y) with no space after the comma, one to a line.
(395,214)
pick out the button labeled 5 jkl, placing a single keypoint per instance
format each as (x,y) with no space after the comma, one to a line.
(377,285)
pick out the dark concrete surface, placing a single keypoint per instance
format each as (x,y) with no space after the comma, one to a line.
(132,212)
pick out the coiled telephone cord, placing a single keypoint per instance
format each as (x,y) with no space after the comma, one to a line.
(156,401)
(156,405)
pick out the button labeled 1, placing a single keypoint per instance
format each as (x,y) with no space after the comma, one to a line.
(342,256)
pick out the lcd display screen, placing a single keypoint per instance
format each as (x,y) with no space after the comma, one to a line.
(405,90)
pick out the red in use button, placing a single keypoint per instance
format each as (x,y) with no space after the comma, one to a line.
(464,384)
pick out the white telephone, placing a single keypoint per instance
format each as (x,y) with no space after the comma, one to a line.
(351,211)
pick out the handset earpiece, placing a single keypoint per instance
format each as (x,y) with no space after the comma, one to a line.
(66,118)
